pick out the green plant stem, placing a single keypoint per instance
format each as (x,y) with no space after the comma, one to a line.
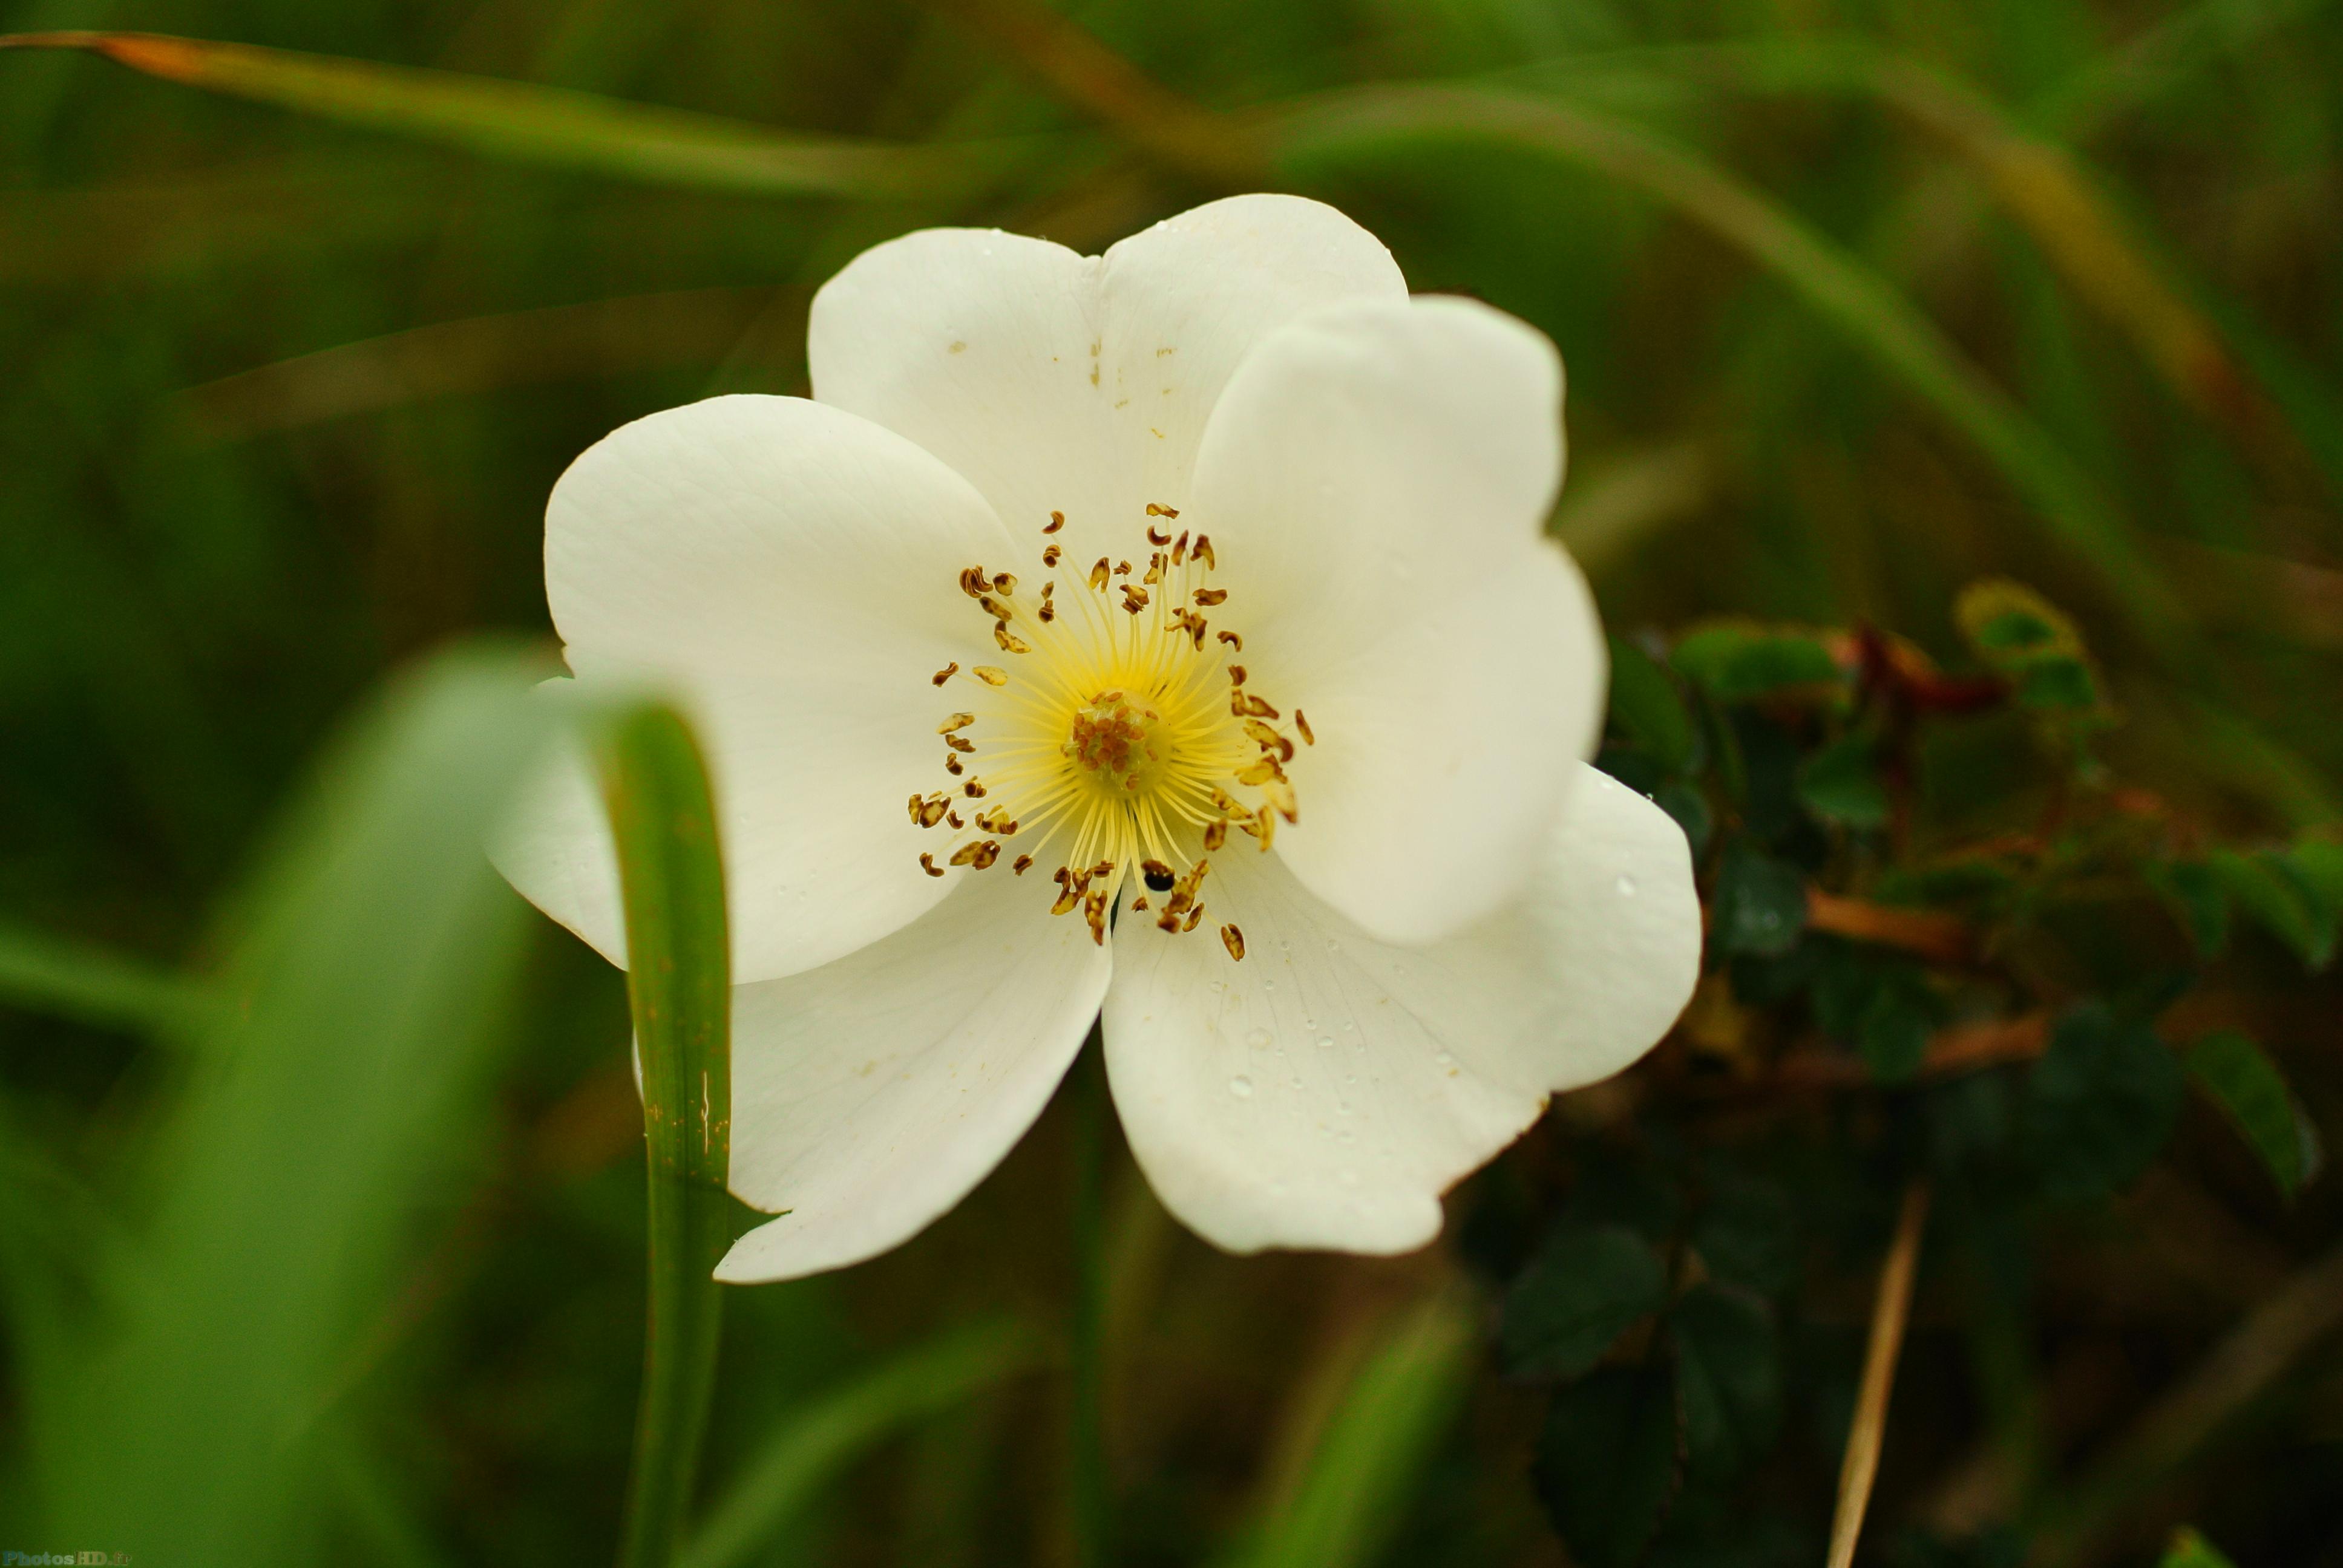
(678,983)
(1093,1511)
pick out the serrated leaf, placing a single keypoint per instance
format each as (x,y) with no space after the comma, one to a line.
(1583,1289)
(2032,644)
(2101,1102)
(2240,1078)
(1735,661)
(1728,1378)
(2192,891)
(1605,1466)
(2282,899)
(1760,903)
(1840,783)
(1645,706)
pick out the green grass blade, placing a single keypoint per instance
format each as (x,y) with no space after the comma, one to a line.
(364,987)
(530,123)
(810,1445)
(680,982)
(1352,127)
(1360,1480)
(88,984)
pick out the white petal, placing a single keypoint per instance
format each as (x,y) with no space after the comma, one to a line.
(555,848)
(1080,384)
(870,1095)
(1324,1091)
(790,572)
(1376,479)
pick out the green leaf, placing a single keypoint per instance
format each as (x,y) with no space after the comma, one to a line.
(1372,1456)
(2192,891)
(1647,708)
(1689,807)
(2268,886)
(84,983)
(1728,1378)
(2032,644)
(1735,661)
(2187,1549)
(1748,1235)
(1583,1289)
(2248,1086)
(1840,783)
(364,988)
(2101,1102)
(1605,1465)
(530,123)
(810,1445)
(1759,905)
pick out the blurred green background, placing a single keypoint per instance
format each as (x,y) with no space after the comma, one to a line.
(1861,300)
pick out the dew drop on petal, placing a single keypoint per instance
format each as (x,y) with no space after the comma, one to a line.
(1259,1039)
(1240,1086)
(1326,1042)
(1295,1081)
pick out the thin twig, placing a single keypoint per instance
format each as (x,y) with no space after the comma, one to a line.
(1888,1316)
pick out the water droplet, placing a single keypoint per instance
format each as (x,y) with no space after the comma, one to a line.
(1326,1042)
(1295,1081)
(1626,886)
(1350,1078)
(1240,1086)
(1258,1039)
(1444,1056)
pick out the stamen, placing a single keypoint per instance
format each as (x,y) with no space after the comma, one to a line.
(1234,940)
(948,670)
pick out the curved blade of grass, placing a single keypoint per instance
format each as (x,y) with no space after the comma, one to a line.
(680,984)
(811,1444)
(530,123)
(1352,125)
(363,984)
(85,983)
(1359,1479)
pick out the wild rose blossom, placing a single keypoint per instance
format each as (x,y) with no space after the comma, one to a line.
(1171,632)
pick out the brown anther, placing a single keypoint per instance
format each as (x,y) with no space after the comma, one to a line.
(916,804)
(1094,911)
(1156,536)
(1209,596)
(1154,510)
(952,766)
(1234,940)
(1139,902)
(990,676)
(1236,671)
(1193,916)
(973,582)
(1048,612)
(1258,708)
(1100,573)
(957,721)
(967,853)
(1122,568)
(948,670)
(1264,828)
(1154,568)
(952,820)
(1279,792)
(1179,549)
(1303,724)
(1234,809)
(973,789)
(933,809)
(995,609)
(1203,551)
(1005,585)
(1070,892)
(1008,640)
(1257,770)
(1050,555)
(1101,870)
(1134,598)
(1168,920)
(1057,520)
(1216,833)
(1268,740)
(1020,865)
(960,744)
(1158,874)
(928,864)
(1235,643)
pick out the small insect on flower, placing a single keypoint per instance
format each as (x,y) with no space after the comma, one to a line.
(1073,630)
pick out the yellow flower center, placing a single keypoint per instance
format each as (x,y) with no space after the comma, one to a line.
(1114,739)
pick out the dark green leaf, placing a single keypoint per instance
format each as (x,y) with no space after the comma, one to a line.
(1736,662)
(2101,1102)
(1728,1378)
(1689,807)
(1582,1290)
(2192,891)
(2190,1550)
(1605,1466)
(1760,903)
(2246,1085)
(2285,901)
(1748,1235)
(1840,784)
(1645,707)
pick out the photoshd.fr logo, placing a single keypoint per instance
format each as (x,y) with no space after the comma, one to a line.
(62,1559)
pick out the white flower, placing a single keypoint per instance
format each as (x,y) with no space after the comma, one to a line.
(1170,631)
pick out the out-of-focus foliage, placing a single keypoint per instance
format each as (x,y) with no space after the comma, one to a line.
(1956,452)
